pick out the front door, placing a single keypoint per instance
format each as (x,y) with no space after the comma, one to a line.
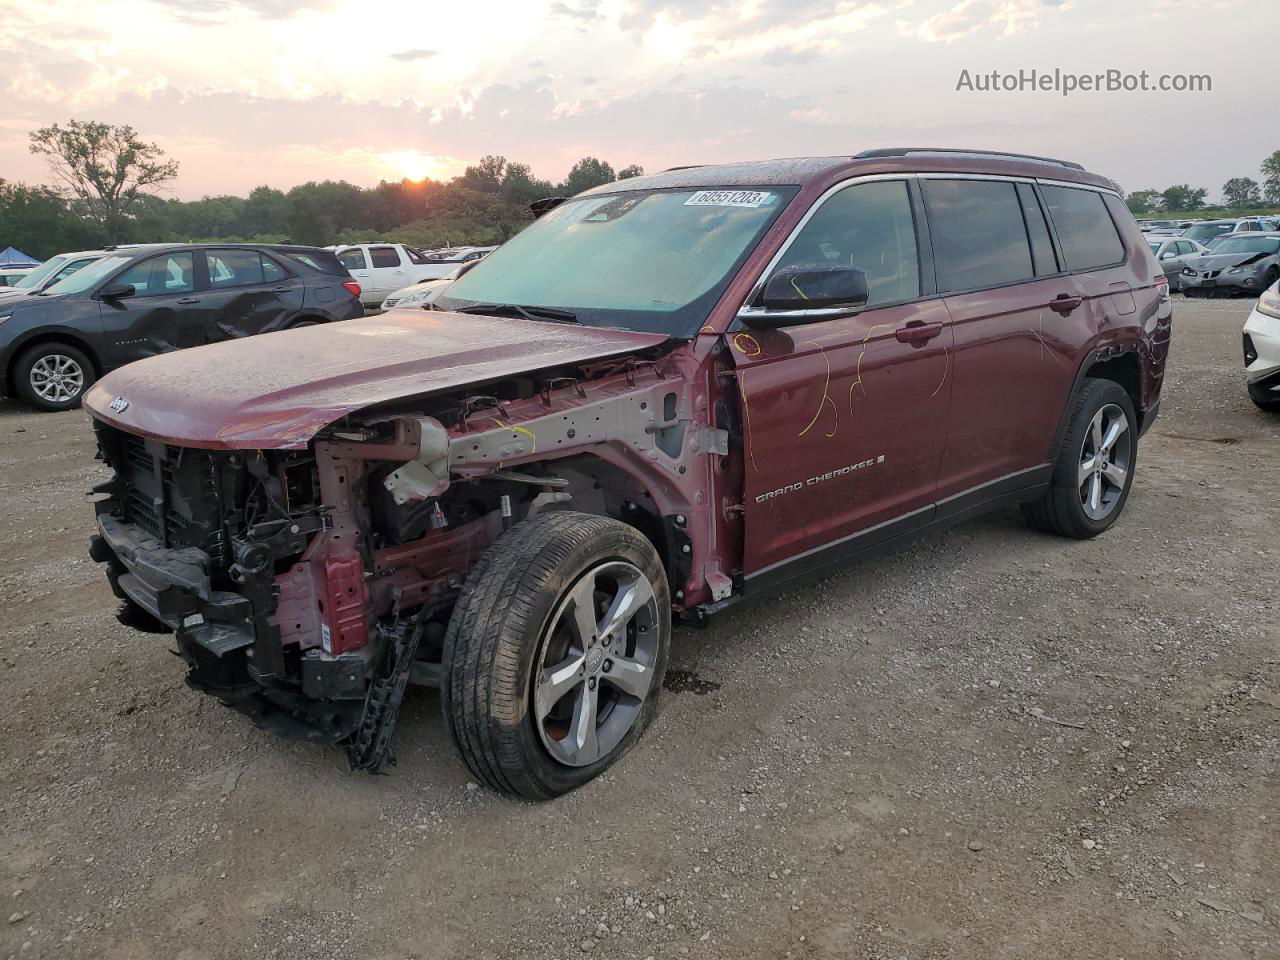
(844,420)
(163,313)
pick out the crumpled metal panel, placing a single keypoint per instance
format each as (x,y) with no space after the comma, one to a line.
(277,391)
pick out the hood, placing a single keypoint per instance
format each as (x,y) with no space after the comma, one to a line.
(1221,261)
(278,390)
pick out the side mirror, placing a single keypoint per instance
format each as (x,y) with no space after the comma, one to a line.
(116,291)
(1168,255)
(814,287)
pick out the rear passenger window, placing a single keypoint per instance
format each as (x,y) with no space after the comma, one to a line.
(869,227)
(234,268)
(978,233)
(353,259)
(272,271)
(1085,228)
(384,256)
(1042,255)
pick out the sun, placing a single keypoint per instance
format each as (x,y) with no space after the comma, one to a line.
(411,164)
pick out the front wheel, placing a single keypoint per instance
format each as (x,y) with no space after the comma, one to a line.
(555,653)
(1093,472)
(53,376)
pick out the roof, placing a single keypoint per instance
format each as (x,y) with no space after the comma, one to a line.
(800,171)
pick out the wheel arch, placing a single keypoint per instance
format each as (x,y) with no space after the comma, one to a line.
(67,339)
(1119,363)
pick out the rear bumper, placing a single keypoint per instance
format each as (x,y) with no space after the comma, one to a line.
(321,701)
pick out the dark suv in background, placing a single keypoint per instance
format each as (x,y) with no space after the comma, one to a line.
(133,302)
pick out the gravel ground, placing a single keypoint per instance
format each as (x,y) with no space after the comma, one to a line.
(991,744)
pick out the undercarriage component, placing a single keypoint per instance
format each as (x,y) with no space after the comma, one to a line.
(370,746)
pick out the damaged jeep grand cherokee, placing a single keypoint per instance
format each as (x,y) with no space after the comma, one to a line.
(667,396)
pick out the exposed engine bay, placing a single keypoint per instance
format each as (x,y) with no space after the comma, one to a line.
(306,588)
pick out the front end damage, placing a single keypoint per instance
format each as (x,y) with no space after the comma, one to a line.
(307,587)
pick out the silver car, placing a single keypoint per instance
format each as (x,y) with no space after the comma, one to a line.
(1174,253)
(1245,263)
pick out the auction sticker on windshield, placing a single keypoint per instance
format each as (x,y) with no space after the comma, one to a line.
(729,198)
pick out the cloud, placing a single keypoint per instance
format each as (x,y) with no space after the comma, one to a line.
(418,54)
(970,17)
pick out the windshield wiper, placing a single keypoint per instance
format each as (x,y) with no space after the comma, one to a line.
(528,313)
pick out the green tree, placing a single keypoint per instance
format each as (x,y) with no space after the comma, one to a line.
(486,176)
(1145,201)
(106,167)
(1271,179)
(1184,197)
(521,187)
(585,174)
(38,222)
(265,212)
(627,173)
(1241,192)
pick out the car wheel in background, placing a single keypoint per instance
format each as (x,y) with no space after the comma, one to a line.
(53,376)
(1093,472)
(555,653)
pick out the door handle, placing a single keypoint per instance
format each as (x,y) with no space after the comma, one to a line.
(188,300)
(1064,303)
(280,289)
(918,332)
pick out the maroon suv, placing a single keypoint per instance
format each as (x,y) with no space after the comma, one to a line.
(668,396)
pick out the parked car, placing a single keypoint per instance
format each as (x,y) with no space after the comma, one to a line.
(135,302)
(423,294)
(383,268)
(1243,263)
(668,396)
(1157,225)
(1173,253)
(50,272)
(11,276)
(1262,350)
(1206,230)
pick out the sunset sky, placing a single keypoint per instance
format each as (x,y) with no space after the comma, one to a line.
(285,91)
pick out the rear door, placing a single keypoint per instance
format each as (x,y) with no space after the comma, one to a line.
(388,273)
(162,315)
(248,293)
(844,420)
(1018,318)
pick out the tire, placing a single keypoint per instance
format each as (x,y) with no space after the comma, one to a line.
(1069,507)
(299,324)
(515,618)
(1272,276)
(1264,400)
(53,376)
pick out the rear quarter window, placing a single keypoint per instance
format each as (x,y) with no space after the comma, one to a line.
(321,261)
(1086,232)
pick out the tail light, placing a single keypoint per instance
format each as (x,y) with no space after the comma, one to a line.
(1162,286)
(351,287)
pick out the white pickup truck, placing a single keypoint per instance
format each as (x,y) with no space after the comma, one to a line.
(383,268)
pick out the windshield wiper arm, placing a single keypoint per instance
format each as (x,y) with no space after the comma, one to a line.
(528,313)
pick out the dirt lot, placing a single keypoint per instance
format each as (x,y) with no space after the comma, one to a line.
(992,744)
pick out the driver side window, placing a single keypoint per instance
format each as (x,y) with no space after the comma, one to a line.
(869,227)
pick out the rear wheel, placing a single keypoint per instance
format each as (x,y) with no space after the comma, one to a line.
(1094,469)
(53,376)
(555,653)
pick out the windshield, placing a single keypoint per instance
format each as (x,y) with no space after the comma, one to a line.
(1206,231)
(1248,245)
(649,260)
(87,276)
(41,273)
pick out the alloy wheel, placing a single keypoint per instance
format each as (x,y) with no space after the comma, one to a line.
(595,665)
(57,378)
(1104,462)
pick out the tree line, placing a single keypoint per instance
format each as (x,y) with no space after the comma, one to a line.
(1238,193)
(107,178)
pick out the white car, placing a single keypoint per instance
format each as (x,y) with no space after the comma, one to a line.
(1262,350)
(10,276)
(420,295)
(383,268)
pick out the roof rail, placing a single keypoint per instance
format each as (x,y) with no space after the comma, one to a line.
(687,166)
(903,151)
